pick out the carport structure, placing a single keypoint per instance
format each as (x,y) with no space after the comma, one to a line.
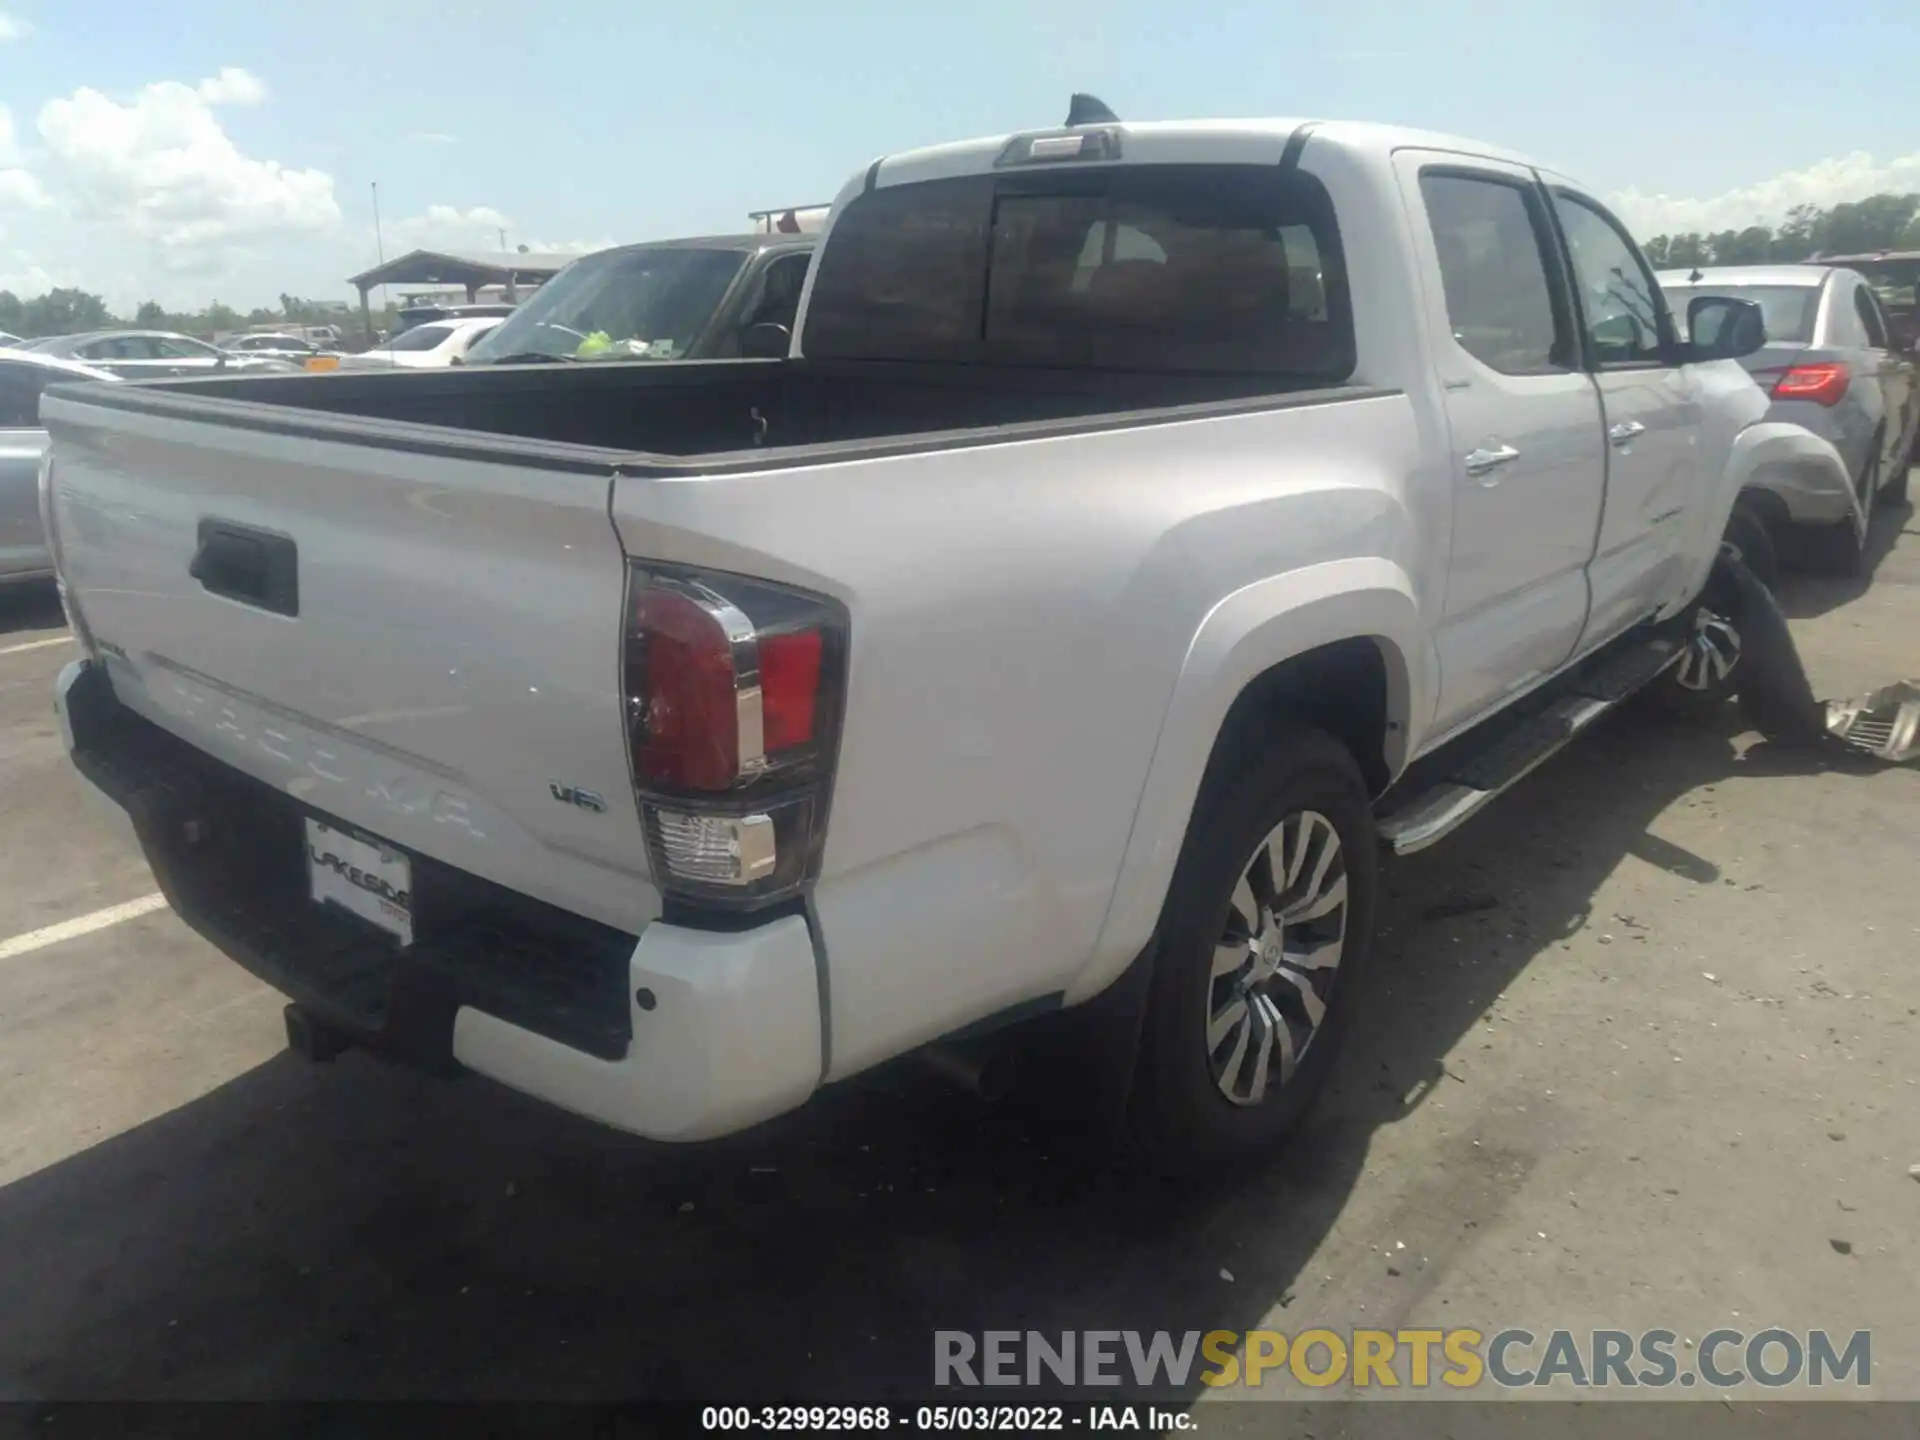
(455,267)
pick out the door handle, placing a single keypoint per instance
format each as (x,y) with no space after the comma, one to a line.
(254,567)
(1626,432)
(1479,462)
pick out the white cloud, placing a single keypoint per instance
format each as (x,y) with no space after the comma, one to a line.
(446,227)
(12,27)
(1829,182)
(232,86)
(28,280)
(569,247)
(22,189)
(162,168)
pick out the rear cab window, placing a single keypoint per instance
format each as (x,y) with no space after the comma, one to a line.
(1226,269)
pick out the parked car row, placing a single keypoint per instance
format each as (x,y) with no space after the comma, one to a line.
(151,354)
(24,374)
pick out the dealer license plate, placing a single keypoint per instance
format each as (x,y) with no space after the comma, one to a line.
(365,879)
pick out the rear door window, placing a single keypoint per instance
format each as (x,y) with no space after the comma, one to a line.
(1491,240)
(1229,269)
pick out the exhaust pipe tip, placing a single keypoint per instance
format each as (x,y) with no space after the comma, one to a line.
(988,1076)
(312,1038)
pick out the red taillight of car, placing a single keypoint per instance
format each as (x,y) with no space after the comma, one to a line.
(734,689)
(1824,384)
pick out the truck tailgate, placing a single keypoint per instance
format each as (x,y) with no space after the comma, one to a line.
(419,639)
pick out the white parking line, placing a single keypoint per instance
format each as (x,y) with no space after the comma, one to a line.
(35,644)
(80,925)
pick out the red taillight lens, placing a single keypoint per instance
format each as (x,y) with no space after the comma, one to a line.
(687,731)
(734,691)
(789,688)
(1825,384)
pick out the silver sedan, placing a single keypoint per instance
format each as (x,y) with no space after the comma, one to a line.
(1830,365)
(23,375)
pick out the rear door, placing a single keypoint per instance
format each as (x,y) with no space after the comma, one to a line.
(1651,410)
(1524,421)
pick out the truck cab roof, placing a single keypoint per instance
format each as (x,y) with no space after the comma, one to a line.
(1252,142)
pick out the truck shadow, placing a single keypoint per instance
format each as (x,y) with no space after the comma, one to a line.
(355,1231)
(1809,596)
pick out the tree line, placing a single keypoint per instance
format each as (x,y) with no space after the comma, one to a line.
(68,311)
(1879,222)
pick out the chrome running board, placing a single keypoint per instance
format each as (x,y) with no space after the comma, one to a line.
(1468,782)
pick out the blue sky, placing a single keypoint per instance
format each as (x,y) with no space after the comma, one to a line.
(226,149)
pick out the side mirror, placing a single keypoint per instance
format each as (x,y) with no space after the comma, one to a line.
(1720,327)
(766,341)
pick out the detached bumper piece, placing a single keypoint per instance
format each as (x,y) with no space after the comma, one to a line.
(229,853)
(1885,724)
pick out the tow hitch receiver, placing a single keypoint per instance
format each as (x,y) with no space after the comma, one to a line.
(311,1037)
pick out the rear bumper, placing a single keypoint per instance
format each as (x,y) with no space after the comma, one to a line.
(678,1034)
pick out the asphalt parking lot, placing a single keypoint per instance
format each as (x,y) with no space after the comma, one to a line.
(1644,1054)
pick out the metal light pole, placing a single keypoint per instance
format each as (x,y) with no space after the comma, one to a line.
(380,250)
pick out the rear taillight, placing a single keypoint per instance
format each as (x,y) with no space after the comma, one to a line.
(1824,384)
(734,689)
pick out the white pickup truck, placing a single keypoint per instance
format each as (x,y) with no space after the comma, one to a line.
(1150,525)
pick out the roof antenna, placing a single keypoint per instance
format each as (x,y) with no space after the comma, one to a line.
(1696,277)
(1088,110)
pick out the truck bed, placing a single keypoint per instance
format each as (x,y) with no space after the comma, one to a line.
(701,410)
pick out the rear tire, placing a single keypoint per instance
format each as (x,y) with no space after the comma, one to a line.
(1838,550)
(1263,947)
(1895,491)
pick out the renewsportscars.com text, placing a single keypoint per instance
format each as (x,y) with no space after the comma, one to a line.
(1395,1359)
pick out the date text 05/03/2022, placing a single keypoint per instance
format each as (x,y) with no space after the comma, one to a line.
(934,1419)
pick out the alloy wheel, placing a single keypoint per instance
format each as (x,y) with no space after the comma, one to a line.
(1277,958)
(1711,653)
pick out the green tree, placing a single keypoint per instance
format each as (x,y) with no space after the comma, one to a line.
(1751,246)
(1875,223)
(63,311)
(12,313)
(1686,251)
(150,316)
(1798,236)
